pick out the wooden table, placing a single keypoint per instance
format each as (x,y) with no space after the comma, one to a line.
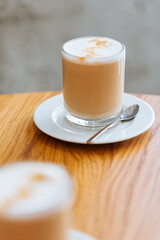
(118,195)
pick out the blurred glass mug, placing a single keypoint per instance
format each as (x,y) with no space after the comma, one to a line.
(35,201)
(93,80)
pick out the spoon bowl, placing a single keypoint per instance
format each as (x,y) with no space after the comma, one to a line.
(129,112)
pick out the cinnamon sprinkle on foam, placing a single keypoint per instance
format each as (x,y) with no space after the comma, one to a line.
(94,40)
(39,177)
(24,193)
(99,44)
(7,204)
(82,59)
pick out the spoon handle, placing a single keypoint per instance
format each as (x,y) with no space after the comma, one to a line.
(101,131)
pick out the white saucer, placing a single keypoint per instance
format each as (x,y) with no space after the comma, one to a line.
(49,118)
(77,235)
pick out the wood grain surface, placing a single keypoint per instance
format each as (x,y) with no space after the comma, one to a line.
(118,185)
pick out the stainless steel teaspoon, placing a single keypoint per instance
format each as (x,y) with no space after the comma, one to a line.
(126,115)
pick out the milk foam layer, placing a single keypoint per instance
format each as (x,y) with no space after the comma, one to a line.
(33,188)
(93,47)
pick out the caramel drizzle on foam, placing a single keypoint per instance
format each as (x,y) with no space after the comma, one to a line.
(23,192)
(90,51)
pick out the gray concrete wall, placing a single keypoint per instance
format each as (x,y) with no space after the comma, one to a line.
(32,32)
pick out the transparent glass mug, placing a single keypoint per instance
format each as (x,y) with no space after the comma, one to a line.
(93,86)
(35,202)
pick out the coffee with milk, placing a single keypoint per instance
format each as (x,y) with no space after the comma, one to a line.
(35,201)
(93,78)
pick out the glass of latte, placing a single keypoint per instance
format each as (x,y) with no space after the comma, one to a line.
(35,200)
(93,80)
